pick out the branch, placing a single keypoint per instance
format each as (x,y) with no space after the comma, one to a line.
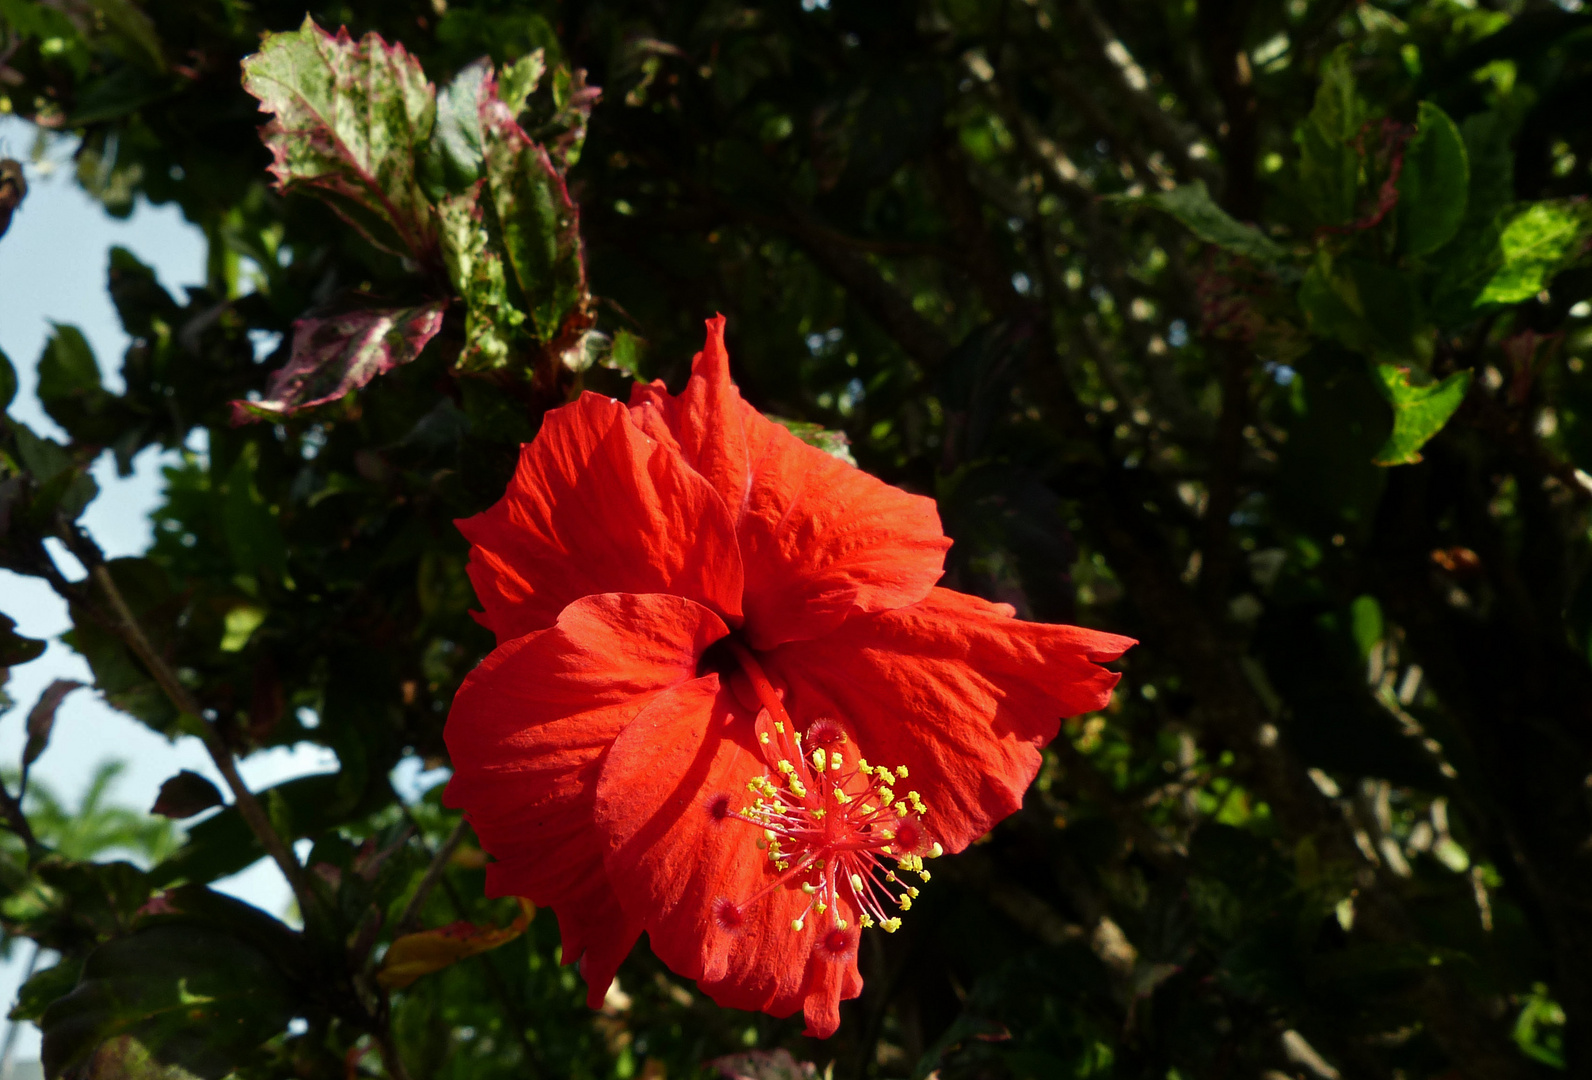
(125,623)
(433,874)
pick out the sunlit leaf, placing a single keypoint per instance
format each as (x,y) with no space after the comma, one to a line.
(414,955)
(1536,242)
(538,221)
(476,270)
(834,443)
(349,120)
(1419,412)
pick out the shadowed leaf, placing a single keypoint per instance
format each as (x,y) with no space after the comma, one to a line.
(185,795)
(41,721)
(1192,205)
(1433,186)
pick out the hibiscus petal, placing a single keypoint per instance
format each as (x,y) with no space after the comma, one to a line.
(820,540)
(691,871)
(527,734)
(597,507)
(956,690)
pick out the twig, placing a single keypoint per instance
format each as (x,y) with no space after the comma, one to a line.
(126,625)
(433,874)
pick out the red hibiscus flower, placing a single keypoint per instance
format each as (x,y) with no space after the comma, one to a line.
(728,705)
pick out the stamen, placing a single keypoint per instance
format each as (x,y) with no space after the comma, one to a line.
(830,838)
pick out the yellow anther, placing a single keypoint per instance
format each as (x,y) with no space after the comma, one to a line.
(841,924)
(891,925)
(924,874)
(818,814)
(809,888)
(796,925)
(782,864)
(886,834)
(912,797)
(856,883)
(820,759)
(901,771)
(769,835)
(798,788)
(779,726)
(841,797)
(886,796)
(912,892)
(865,920)
(821,907)
(863,767)
(786,767)
(835,761)
(906,902)
(762,737)
(867,809)
(901,809)
(936,851)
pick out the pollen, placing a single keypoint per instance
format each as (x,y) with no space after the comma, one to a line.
(831,839)
(830,827)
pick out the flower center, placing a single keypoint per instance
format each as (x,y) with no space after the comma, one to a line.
(830,820)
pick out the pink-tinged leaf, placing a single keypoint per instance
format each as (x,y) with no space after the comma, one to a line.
(349,118)
(539,222)
(340,353)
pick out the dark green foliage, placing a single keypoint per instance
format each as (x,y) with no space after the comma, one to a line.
(1257,331)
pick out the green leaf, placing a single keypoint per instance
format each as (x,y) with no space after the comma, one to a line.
(43,988)
(1192,205)
(452,158)
(1419,412)
(242,622)
(519,80)
(336,355)
(134,30)
(8,382)
(626,354)
(349,121)
(200,984)
(253,536)
(1536,242)
(1329,167)
(538,222)
(491,320)
(834,443)
(14,648)
(69,382)
(1435,183)
(124,681)
(184,795)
